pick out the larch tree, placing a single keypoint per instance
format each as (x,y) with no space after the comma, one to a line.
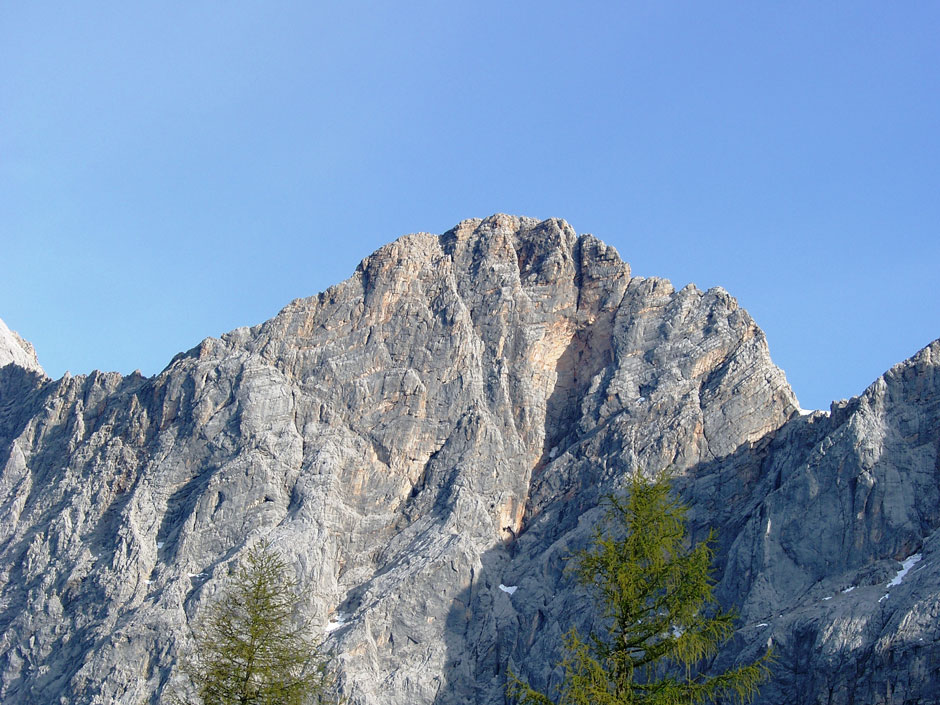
(662,620)
(252,648)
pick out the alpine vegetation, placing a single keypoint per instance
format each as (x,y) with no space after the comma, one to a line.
(655,593)
(251,648)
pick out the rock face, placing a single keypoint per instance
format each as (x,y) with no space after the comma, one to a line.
(442,424)
(15,350)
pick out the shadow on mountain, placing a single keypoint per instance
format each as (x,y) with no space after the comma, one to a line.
(784,554)
(22,394)
(589,352)
(523,601)
(517,611)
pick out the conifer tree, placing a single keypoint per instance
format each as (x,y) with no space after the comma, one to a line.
(251,649)
(662,620)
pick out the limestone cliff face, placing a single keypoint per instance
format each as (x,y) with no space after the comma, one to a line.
(395,433)
(15,350)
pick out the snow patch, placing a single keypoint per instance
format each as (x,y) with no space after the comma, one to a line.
(553,452)
(848,589)
(906,566)
(828,598)
(338,620)
(159,544)
(510,589)
(810,412)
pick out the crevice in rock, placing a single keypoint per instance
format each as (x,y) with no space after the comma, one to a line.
(587,355)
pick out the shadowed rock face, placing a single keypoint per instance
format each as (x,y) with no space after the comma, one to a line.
(393,434)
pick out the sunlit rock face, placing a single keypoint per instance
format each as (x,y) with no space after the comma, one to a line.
(15,350)
(444,423)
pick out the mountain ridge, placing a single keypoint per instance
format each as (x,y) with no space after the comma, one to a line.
(385,432)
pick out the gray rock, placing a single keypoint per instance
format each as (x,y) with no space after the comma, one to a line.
(15,350)
(437,428)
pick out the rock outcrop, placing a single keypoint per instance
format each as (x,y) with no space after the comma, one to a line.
(14,350)
(438,427)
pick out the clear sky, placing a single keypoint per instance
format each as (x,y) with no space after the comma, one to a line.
(173,170)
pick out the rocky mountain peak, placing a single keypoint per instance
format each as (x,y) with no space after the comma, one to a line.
(426,442)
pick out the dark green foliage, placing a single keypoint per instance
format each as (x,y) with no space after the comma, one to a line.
(656,593)
(251,649)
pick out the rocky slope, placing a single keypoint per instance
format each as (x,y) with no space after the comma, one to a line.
(441,424)
(13,349)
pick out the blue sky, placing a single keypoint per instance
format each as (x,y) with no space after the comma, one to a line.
(170,171)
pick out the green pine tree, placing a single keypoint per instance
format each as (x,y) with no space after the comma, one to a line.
(251,649)
(662,619)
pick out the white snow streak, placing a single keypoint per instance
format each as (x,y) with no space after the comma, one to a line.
(338,620)
(905,569)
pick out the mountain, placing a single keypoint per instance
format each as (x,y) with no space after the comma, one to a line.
(13,349)
(441,426)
